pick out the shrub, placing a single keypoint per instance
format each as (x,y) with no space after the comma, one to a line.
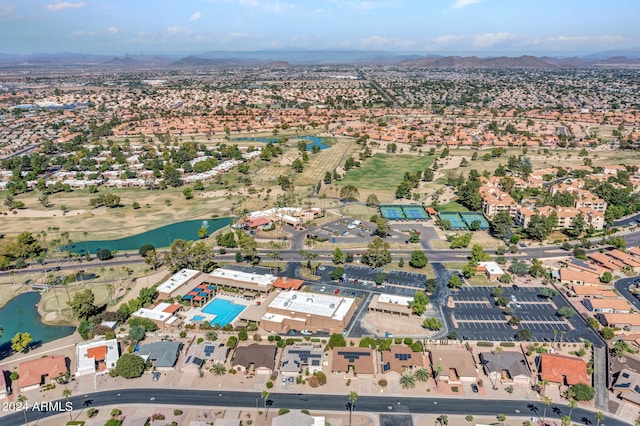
(269,385)
(92,412)
(283,411)
(313,382)
(177,412)
(382,383)
(485,344)
(507,344)
(454,389)
(322,378)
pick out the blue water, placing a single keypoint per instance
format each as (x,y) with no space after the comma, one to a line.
(314,141)
(225,310)
(159,237)
(21,315)
(197,318)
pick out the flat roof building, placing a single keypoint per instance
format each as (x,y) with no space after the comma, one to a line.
(161,315)
(243,281)
(96,356)
(177,284)
(296,310)
(492,269)
(390,304)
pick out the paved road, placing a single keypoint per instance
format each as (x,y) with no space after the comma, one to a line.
(622,285)
(181,398)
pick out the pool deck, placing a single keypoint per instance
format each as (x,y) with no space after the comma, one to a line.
(196,311)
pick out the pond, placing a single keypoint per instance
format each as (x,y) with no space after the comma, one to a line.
(158,237)
(20,314)
(313,141)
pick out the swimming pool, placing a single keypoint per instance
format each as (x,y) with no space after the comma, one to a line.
(224,310)
(198,318)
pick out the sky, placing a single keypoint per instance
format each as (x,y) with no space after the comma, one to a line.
(481,27)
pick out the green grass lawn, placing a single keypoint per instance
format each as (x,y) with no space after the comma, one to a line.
(452,206)
(385,171)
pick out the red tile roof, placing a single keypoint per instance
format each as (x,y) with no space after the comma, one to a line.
(32,372)
(561,369)
(99,353)
(288,283)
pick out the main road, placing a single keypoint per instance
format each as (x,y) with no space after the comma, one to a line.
(182,398)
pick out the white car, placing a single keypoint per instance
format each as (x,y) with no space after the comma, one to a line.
(306,333)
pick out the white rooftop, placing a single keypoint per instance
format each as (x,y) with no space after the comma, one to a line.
(86,365)
(492,267)
(394,300)
(177,280)
(247,277)
(152,314)
(335,307)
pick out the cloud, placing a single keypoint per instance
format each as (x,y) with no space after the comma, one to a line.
(64,5)
(6,9)
(461,4)
(195,16)
(113,30)
(449,39)
(491,39)
(177,30)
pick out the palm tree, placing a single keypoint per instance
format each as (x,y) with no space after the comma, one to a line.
(85,234)
(498,370)
(547,403)
(422,374)
(572,405)
(218,369)
(23,400)
(265,395)
(353,397)
(407,381)
(543,384)
(66,392)
(599,417)
(443,419)
(565,420)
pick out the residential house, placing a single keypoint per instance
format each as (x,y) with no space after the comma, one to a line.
(399,359)
(39,371)
(453,366)
(198,354)
(96,356)
(580,265)
(617,306)
(297,358)
(298,418)
(510,367)
(623,257)
(627,386)
(262,358)
(4,389)
(566,370)
(605,261)
(162,315)
(163,355)
(351,359)
(594,292)
(627,322)
(569,276)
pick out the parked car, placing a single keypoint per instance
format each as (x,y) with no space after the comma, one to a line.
(306,333)
(156,376)
(474,388)
(291,380)
(323,288)
(515,287)
(284,381)
(337,291)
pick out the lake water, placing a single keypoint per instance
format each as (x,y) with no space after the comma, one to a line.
(313,141)
(159,237)
(21,315)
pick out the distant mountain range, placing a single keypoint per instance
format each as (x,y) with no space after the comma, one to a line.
(315,57)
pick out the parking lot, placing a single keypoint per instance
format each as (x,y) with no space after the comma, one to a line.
(401,283)
(477,317)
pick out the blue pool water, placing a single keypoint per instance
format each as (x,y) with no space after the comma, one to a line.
(197,318)
(225,310)
(313,141)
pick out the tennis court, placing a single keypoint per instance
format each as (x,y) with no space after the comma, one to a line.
(469,217)
(415,212)
(392,212)
(454,218)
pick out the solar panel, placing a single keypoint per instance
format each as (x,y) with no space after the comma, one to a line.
(197,360)
(208,350)
(386,367)
(188,359)
(315,362)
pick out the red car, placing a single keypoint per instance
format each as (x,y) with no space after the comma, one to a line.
(337,291)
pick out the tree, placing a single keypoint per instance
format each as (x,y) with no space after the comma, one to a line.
(104,254)
(22,400)
(82,305)
(145,248)
(378,252)
(407,381)
(418,259)
(338,256)
(21,341)
(455,282)
(202,232)
(337,341)
(582,392)
(353,397)
(523,335)
(337,273)
(218,369)
(372,200)
(505,278)
(432,324)
(25,246)
(606,277)
(129,366)
(477,253)
(607,333)
(188,193)
(573,404)
(537,269)
(422,374)
(349,193)
(519,268)
(265,396)
(383,228)
(501,417)
(419,303)
(297,165)
(547,403)
(565,312)
(137,333)
(599,417)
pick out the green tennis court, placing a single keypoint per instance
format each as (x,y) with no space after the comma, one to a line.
(455,219)
(415,212)
(392,212)
(469,217)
